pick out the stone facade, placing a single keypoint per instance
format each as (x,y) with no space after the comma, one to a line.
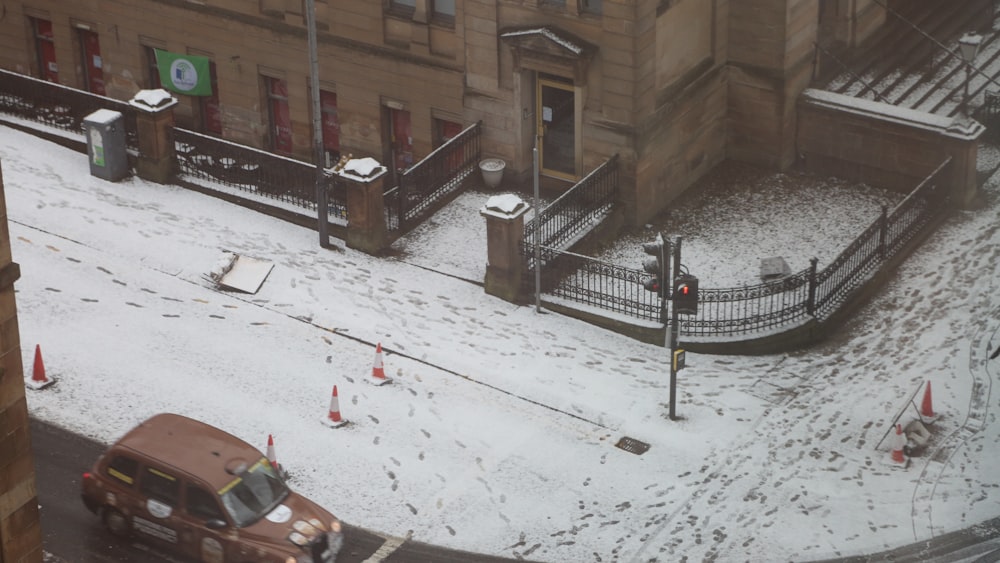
(672,86)
(20,528)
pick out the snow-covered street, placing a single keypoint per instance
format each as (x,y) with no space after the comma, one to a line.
(498,432)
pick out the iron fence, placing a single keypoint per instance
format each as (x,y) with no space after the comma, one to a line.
(429,184)
(217,162)
(59,106)
(989,114)
(576,212)
(771,306)
(596,284)
(878,243)
(768,306)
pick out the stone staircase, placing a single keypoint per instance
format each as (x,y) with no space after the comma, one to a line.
(914,61)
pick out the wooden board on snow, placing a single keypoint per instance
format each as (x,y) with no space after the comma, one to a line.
(246,274)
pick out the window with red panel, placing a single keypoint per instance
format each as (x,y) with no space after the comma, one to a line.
(280,116)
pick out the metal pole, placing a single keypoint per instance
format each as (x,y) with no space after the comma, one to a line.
(322,208)
(538,234)
(965,99)
(674,319)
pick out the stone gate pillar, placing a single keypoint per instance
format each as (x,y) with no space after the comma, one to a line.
(504,230)
(155,124)
(364,179)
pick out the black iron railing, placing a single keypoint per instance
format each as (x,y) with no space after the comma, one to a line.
(593,283)
(772,306)
(59,106)
(879,242)
(765,306)
(989,114)
(215,163)
(429,184)
(575,212)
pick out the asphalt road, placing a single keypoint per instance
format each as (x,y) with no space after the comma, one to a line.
(73,534)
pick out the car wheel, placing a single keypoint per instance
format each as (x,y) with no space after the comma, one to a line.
(115,522)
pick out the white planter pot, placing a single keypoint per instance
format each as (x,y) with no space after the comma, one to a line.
(492,169)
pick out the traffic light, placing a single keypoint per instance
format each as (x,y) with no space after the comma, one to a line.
(655,265)
(686,295)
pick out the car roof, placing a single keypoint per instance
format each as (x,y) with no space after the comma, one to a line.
(190,446)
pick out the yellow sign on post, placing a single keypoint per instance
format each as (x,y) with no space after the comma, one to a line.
(678,359)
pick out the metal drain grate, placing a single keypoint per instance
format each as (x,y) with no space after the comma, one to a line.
(632,445)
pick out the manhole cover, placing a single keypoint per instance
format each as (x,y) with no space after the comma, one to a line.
(632,445)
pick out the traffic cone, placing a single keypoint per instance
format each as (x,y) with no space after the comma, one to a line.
(270,452)
(333,418)
(927,413)
(38,379)
(378,370)
(898,442)
(271,458)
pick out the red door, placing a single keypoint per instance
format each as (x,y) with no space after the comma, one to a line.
(211,115)
(281,117)
(331,127)
(450,130)
(92,63)
(402,140)
(45,47)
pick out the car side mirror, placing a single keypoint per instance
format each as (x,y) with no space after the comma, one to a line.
(215,524)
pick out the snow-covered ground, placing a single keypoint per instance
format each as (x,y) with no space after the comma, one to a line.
(498,432)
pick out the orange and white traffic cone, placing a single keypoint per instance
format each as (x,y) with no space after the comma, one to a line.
(38,379)
(274,461)
(898,456)
(378,370)
(333,418)
(270,451)
(927,414)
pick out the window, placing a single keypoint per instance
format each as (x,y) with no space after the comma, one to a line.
(444,11)
(279,116)
(91,61)
(122,469)
(445,131)
(590,6)
(202,504)
(45,50)
(211,116)
(152,71)
(400,138)
(403,7)
(161,486)
(331,127)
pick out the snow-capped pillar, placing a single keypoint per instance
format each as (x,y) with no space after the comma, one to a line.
(155,126)
(504,230)
(364,179)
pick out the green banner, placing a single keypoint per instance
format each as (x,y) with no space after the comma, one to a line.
(184,74)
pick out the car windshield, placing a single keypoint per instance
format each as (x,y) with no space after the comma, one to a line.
(253,493)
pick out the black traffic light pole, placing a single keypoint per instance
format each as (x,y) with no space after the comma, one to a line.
(672,334)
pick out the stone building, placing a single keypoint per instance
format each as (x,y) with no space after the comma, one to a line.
(671,86)
(20,529)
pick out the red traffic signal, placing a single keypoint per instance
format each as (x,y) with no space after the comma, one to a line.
(685,295)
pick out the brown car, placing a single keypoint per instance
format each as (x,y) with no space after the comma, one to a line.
(203,493)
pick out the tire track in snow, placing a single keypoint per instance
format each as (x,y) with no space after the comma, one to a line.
(975,422)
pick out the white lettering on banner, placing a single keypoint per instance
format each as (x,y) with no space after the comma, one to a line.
(151,528)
